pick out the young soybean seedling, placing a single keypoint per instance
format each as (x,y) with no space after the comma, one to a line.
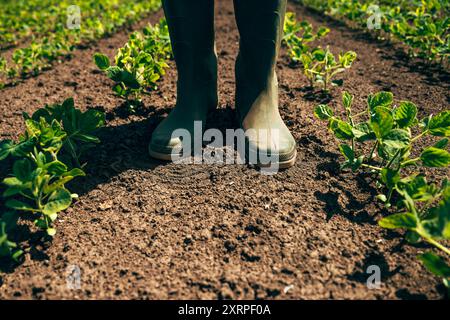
(44,160)
(139,64)
(321,66)
(297,35)
(420,207)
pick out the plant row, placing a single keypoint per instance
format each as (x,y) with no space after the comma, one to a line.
(45,24)
(139,64)
(386,140)
(38,166)
(422,25)
(320,65)
(48,155)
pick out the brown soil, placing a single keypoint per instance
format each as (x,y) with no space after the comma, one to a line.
(147,229)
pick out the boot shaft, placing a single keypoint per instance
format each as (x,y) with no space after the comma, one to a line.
(191,27)
(260,24)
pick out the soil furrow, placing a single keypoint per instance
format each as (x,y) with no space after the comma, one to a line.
(147,229)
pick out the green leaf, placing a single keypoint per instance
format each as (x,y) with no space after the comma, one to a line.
(405,114)
(347,100)
(114,73)
(20,149)
(435,264)
(381,122)
(56,168)
(41,223)
(70,146)
(399,220)
(76,172)
(434,157)
(347,151)
(33,127)
(424,123)
(341,129)
(87,138)
(101,61)
(412,236)
(119,90)
(380,99)
(436,221)
(19,205)
(441,144)
(12,182)
(58,201)
(22,169)
(7,247)
(347,59)
(68,104)
(129,80)
(57,184)
(51,231)
(319,54)
(397,139)
(323,112)
(390,177)
(5,148)
(10,218)
(357,163)
(382,198)
(14,186)
(363,132)
(323,31)
(417,188)
(92,120)
(439,125)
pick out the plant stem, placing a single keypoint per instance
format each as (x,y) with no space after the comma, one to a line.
(393,158)
(350,118)
(437,245)
(371,167)
(360,114)
(409,161)
(391,191)
(419,136)
(373,150)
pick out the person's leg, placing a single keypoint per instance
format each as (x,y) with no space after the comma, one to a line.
(191,27)
(260,24)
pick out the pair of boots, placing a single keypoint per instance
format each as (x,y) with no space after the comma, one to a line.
(191,26)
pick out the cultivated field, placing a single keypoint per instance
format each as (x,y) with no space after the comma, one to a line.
(140,228)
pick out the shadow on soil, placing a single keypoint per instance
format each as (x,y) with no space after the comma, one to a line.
(123,147)
(378,260)
(333,199)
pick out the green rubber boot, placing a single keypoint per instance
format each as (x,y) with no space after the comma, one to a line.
(260,24)
(191,27)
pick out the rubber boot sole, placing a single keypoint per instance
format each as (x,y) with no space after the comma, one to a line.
(161,156)
(286,164)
